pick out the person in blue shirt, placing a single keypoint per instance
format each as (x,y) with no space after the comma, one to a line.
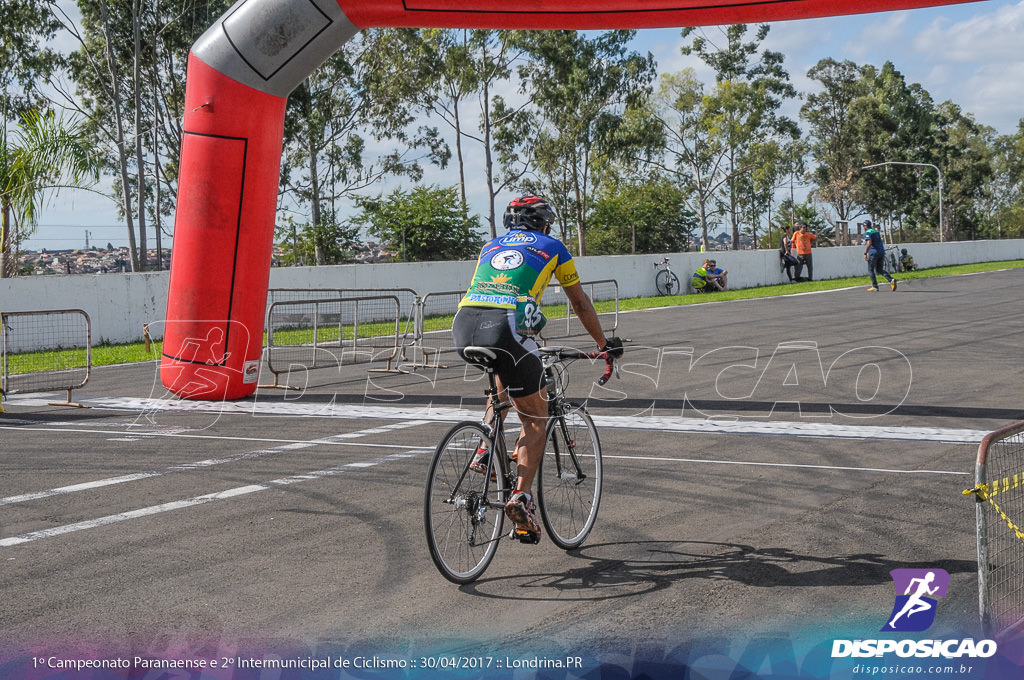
(874,253)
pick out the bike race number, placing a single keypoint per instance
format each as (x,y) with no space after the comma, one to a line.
(529,319)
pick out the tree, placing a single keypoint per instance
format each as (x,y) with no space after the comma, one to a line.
(834,135)
(1003,197)
(44,152)
(582,87)
(460,67)
(692,154)
(359,100)
(25,60)
(333,242)
(896,123)
(129,81)
(646,217)
(965,152)
(789,213)
(750,90)
(427,223)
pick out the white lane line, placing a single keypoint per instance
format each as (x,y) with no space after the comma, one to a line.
(652,423)
(49,427)
(200,500)
(790,465)
(792,429)
(291,446)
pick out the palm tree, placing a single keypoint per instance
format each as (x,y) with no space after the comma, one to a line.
(44,151)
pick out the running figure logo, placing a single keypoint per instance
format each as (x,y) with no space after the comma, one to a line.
(916,590)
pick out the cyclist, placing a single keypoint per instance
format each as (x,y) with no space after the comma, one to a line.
(501,310)
(874,253)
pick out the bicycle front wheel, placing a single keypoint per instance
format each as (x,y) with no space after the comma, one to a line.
(569,478)
(463,510)
(666,282)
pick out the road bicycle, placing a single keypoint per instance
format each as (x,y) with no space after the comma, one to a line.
(891,260)
(464,509)
(665,279)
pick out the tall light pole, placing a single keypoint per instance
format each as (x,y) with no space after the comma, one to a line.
(926,165)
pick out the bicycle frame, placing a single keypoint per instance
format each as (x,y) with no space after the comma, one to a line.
(463,539)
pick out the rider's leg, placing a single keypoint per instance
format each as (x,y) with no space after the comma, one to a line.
(533,413)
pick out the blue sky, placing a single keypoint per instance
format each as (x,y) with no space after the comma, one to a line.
(969,53)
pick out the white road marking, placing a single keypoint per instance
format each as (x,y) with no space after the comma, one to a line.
(198,500)
(291,446)
(792,429)
(789,465)
(653,423)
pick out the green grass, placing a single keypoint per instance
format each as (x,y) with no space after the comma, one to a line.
(103,355)
(804,287)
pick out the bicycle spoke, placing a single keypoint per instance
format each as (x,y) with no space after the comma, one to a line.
(569,480)
(462,513)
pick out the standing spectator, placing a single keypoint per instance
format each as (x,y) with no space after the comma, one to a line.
(874,253)
(786,259)
(802,243)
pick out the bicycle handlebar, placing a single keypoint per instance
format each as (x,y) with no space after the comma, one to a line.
(611,365)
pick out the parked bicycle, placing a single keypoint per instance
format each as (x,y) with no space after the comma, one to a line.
(665,279)
(891,261)
(464,510)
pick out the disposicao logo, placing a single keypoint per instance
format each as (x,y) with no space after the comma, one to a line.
(917,593)
(916,603)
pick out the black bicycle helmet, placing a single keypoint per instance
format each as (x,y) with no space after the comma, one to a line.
(531,213)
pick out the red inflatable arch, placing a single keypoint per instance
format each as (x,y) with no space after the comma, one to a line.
(240,74)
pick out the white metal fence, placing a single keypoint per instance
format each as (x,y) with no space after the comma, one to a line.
(45,350)
(999,492)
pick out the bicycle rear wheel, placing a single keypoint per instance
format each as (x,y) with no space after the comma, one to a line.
(666,282)
(463,510)
(570,476)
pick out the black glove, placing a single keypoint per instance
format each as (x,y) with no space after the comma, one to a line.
(613,346)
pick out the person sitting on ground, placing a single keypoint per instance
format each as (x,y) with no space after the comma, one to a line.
(708,278)
(907,263)
(718,276)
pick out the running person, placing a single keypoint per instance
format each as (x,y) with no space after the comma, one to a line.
(874,253)
(916,602)
(501,310)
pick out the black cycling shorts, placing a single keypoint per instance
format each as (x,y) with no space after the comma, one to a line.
(518,364)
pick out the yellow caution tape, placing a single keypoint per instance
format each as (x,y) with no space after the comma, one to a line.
(985,492)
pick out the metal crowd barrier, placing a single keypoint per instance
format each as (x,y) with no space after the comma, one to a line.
(308,334)
(46,350)
(569,326)
(434,315)
(298,319)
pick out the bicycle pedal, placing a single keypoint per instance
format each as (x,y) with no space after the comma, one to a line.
(529,537)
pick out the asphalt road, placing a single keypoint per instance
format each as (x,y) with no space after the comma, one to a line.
(767,464)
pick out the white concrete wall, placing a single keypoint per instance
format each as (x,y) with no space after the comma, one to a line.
(119,304)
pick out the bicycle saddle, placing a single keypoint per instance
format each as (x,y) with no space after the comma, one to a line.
(483,356)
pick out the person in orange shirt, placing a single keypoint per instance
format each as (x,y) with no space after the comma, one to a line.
(802,244)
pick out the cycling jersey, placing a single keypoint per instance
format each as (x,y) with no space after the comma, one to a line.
(876,246)
(516,267)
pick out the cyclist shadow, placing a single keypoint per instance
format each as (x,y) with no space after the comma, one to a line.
(618,570)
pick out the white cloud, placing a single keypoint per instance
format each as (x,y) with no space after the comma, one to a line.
(984,38)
